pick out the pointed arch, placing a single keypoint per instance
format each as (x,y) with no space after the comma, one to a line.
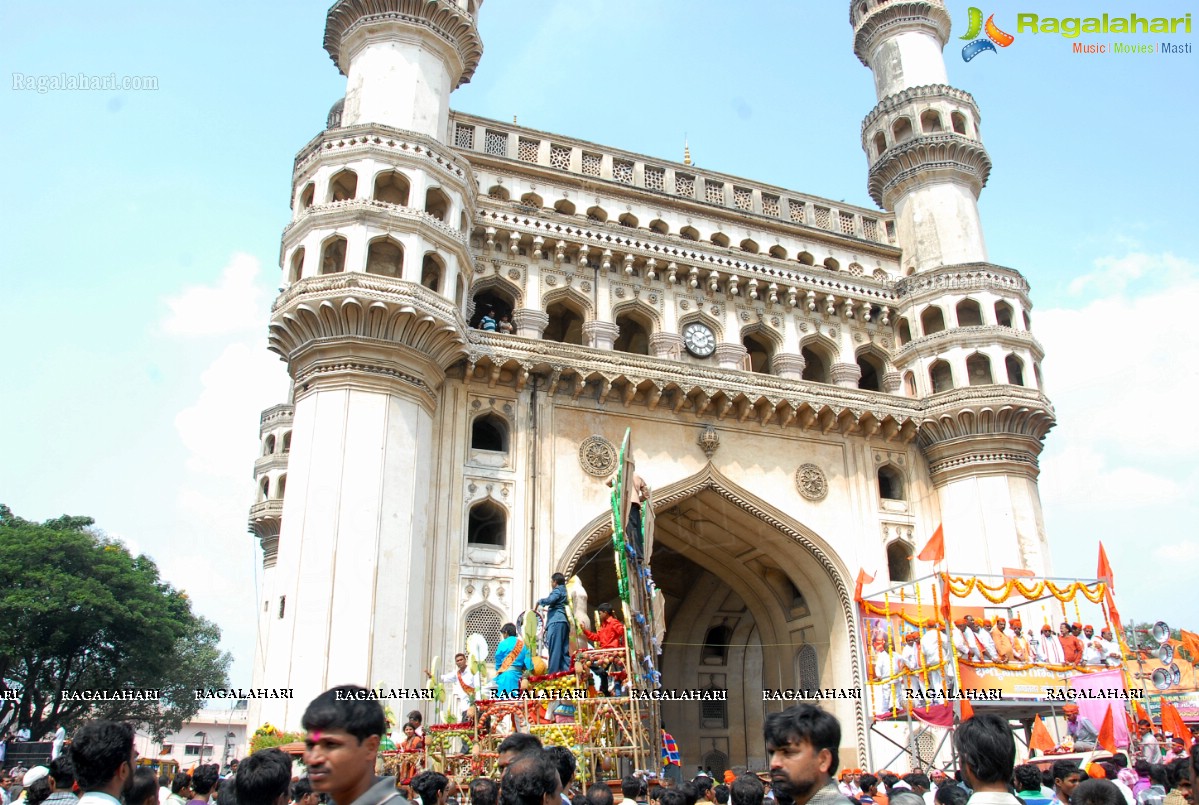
(333,255)
(932,320)
(628,219)
(296,271)
(659,226)
(487,524)
(978,370)
(969,313)
(432,271)
(873,365)
(597,214)
(533,200)
(564,207)
(635,329)
(719,239)
(819,354)
(392,187)
(437,203)
(343,185)
(510,292)
(385,256)
(832,570)
(704,318)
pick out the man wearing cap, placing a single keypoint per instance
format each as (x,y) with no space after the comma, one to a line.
(964,642)
(1021,650)
(1071,645)
(983,636)
(937,648)
(610,635)
(887,665)
(1003,642)
(1092,650)
(1049,649)
(1080,729)
(910,661)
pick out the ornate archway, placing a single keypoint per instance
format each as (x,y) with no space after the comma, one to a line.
(726,558)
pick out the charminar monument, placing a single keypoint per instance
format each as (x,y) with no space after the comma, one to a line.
(812,387)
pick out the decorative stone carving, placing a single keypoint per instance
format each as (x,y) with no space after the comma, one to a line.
(891,382)
(811,482)
(666,345)
(788,365)
(530,323)
(708,441)
(846,375)
(600,334)
(597,456)
(728,356)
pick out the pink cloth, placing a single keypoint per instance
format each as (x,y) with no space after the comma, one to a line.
(1096,709)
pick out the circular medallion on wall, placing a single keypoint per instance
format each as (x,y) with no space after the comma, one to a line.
(597,456)
(810,481)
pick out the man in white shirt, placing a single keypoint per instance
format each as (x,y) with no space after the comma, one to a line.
(1112,657)
(965,643)
(1092,647)
(1150,748)
(910,663)
(103,755)
(983,637)
(936,648)
(60,737)
(464,687)
(1049,650)
(886,665)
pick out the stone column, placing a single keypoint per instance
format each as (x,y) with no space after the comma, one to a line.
(730,356)
(846,375)
(666,345)
(788,365)
(530,323)
(600,334)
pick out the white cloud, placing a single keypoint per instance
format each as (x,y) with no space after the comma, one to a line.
(1080,476)
(1114,274)
(1185,551)
(234,305)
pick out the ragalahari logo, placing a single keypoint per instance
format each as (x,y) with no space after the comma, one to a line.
(994,35)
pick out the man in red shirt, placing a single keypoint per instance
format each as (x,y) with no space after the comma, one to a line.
(610,635)
(1071,645)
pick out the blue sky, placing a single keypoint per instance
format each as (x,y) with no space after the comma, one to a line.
(142,233)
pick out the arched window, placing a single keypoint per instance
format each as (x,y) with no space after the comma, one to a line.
(343,185)
(269,446)
(286,442)
(872,369)
(597,214)
(749,245)
(940,376)
(498,192)
(716,759)
(880,144)
(634,335)
(385,256)
(487,525)
(297,265)
(391,187)
(890,483)
(816,365)
(809,668)
(930,121)
(1015,370)
(532,200)
(564,207)
(659,226)
(431,272)
(719,239)
(760,352)
(1004,315)
(266,489)
(832,264)
(281,486)
(628,219)
(909,384)
(978,370)
(778,252)
(485,621)
(959,122)
(437,203)
(489,432)
(932,320)
(806,258)
(333,256)
(565,325)
(1027,321)
(689,233)
(497,300)
(899,566)
(904,332)
(716,645)
(969,313)
(308,196)
(901,129)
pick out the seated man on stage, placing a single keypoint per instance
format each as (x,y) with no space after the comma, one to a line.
(1080,729)
(610,635)
(512,659)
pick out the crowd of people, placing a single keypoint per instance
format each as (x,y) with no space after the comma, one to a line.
(345,733)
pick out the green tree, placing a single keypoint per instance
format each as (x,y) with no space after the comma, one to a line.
(78,613)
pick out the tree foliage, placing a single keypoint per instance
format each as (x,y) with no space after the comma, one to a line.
(79,613)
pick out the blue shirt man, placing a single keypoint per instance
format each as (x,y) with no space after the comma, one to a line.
(557,627)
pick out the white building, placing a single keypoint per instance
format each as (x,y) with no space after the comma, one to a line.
(216,734)
(812,386)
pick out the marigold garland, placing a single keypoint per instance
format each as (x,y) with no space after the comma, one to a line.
(962,587)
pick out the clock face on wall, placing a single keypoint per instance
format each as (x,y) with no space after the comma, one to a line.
(699,339)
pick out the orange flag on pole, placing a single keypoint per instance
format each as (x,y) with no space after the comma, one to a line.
(1104,573)
(967,710)
(1172,722)
(1041,739)
(1190,641)
(1140,713)
(1107,732)
(934,551)
(863,579)
(1017,573)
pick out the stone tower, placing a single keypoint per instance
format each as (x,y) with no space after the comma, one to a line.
(963,326)
(371,316)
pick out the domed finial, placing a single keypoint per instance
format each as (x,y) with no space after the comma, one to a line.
(686,151)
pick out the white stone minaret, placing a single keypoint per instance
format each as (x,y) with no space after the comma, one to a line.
(374,262)
(963,324)
(927,161)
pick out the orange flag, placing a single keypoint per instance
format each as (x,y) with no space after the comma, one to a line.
(1041,739)
(1190,641)
(1140,713)
(1104,573)
(1172,722)
(934,551)
(1107,732)
(863,579)
(967,708)
(1017,573)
